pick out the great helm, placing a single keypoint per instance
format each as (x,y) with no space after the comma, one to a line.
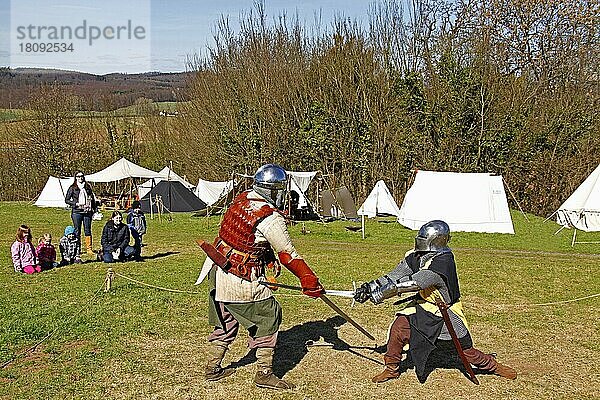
(270,181)
(433,236)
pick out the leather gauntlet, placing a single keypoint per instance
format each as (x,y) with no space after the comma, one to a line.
(309,281)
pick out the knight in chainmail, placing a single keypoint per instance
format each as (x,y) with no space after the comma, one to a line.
(430,270)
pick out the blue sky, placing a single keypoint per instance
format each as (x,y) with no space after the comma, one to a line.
(182,28)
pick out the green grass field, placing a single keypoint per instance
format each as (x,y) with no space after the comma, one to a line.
(136,342)
(13,114)
(16,114)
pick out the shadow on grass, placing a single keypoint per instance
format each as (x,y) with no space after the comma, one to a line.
(445,356)
(293,344)
(159,255)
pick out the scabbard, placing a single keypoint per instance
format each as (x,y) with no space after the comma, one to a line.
(444,310)
(214,254)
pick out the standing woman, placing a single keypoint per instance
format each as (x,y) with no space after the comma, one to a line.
(83,204)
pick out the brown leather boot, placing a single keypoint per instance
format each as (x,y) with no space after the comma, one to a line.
(216,352)
(505,371)
(391,371)
(264,377)
(88,246)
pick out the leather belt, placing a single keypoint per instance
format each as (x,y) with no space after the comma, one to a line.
(240,264)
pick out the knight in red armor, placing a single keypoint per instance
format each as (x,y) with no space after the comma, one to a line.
(252,237)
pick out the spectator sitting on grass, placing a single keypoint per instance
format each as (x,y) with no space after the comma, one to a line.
(46,252)
(69,247)
(23,252)
(115,240)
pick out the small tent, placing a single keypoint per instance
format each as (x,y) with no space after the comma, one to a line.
(582,209)
(53,193)
(167,174)
(210,192)
(122,169)
(467,202)
(173,196)
(379,203)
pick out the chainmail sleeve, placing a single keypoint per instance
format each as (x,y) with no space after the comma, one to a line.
(401,270)
(426,278)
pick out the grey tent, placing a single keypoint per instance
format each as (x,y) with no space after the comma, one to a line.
(338,204)
(173,197)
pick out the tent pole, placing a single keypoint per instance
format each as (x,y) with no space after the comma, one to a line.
(363,225)
(574,237)
(288,199)
(319,211)
(515,199)
(550,216)
(159,208)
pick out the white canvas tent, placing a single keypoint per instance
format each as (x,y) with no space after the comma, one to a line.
(582,209)
(468,202)
(53,193)
(379,203)
(122,169)
(168,174)
(210,192)
(299,182)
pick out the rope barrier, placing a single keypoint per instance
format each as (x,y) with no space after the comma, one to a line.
(567,301)
(554,303)
(50,334)
(152,286)
(111,274)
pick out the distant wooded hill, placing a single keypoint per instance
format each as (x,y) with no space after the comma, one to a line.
(98,92)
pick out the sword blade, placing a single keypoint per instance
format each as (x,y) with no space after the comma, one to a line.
(346,316)
(349,294)
(279,285)
(331,304)
(339,293)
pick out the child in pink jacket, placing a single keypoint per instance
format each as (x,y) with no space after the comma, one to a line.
(23,253)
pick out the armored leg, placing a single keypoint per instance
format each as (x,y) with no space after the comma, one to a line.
(398,337)
(487,362)
(264,377)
